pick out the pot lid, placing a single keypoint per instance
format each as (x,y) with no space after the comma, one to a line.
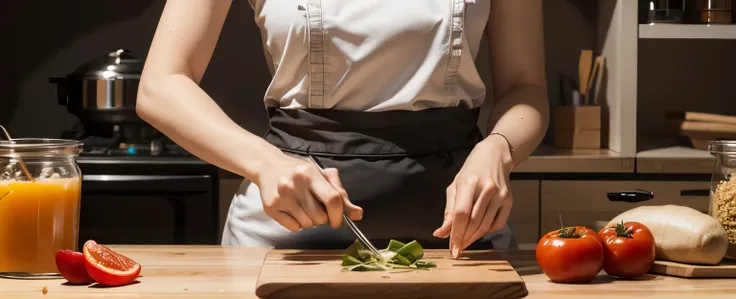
(119,64)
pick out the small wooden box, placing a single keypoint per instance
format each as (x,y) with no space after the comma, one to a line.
(578,127)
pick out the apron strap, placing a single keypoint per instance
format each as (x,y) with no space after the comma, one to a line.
(455,49)
(317,54)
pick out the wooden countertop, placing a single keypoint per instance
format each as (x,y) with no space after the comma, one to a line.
(547,159)
(231,272)
(675,159)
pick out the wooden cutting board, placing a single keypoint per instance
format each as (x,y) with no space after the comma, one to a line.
(704,117)
(713,127)
(727,269)
(318,274)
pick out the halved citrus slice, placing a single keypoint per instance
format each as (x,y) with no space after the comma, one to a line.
(108,267)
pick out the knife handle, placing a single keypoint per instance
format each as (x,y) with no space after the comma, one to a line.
(636,195)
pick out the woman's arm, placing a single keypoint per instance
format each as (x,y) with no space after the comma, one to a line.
(170,99)
(478,200)
(294,192)
(516,42)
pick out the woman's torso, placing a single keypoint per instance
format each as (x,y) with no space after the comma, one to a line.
(378,54)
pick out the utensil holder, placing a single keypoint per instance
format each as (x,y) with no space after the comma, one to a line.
(578,127)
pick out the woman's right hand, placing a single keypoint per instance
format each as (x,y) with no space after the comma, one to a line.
(297,194)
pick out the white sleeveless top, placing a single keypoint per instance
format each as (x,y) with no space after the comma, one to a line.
(372,55)
(364,55)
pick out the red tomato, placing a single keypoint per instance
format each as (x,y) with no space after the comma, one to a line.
(71,267)
(629,249)
(570,255)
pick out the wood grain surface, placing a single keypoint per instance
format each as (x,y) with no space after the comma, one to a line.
(701,116)
(727,269)
(204,272)
(293,274)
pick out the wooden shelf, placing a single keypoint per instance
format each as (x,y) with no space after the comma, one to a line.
(675,159)
(547,159)
(686,31)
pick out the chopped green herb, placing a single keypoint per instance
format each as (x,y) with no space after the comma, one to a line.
(396,255)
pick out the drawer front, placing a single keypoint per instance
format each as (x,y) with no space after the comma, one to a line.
(585,202)
(524,219)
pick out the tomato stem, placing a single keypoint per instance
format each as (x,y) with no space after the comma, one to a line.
(567,232)
(623,231)
(562,226)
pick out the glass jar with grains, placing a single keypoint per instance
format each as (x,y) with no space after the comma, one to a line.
(723,189)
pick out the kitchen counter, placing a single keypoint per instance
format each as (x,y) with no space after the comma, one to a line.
(227,272)
(675,159)
(547,159)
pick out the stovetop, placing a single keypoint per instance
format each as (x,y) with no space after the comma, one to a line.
(109,147)
(158,157)
(130,140)
(125,150)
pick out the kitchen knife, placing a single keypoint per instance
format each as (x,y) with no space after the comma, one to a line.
(361,237)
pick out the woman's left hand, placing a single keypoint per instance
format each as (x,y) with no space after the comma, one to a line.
(478,200)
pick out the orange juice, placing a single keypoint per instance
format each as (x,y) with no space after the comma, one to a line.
(36,220)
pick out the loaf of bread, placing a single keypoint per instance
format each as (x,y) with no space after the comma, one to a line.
(682,234)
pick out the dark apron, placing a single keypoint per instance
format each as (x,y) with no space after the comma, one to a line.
(396,165)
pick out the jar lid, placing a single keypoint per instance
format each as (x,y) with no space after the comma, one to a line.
(39,147)
(722,147)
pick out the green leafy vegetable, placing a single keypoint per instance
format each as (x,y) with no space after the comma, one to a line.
(400,260)
(350,261)
(411,251)
(366,267)
(353,249)
(394,245)
(396,255)
(425,264)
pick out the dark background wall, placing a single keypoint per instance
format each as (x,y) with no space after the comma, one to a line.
(42,39)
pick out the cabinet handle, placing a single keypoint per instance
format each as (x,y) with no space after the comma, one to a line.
(695,192)
(636,195)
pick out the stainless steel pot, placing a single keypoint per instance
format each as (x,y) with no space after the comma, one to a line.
(103,90)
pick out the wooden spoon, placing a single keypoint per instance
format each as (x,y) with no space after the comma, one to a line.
(594,77)
(584,65)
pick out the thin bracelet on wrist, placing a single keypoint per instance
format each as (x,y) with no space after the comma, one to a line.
(511,147)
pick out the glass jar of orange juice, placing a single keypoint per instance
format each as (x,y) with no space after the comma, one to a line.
(38,216)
